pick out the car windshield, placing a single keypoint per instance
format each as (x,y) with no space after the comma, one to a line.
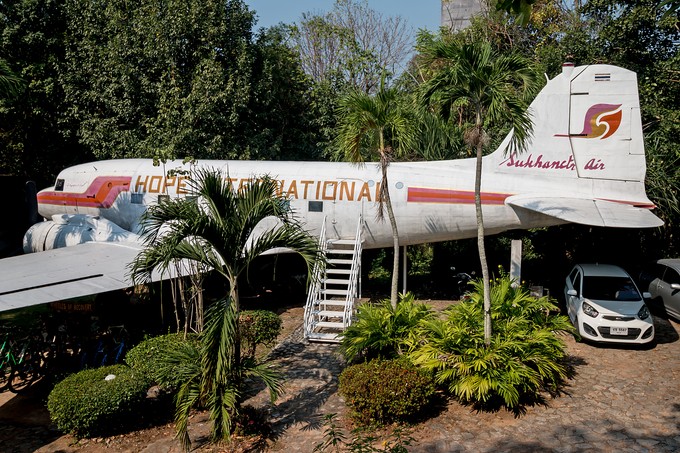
(610,288)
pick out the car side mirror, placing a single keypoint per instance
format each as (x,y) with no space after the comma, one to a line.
(646,295)
(572,292)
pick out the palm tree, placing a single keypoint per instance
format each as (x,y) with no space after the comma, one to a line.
(371,125)
(10,84)
(217,230)
(485,88)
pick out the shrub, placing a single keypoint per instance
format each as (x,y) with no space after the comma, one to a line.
(85,404)
(258,327)
(385,391)
(155,358)
(381,331)
(525,356)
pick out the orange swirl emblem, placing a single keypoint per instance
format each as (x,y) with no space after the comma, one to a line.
(601,120)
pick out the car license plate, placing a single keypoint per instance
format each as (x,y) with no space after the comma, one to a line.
(618,330)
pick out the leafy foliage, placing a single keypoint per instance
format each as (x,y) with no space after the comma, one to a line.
(10,84)
(385,391)
(258,327)
(150,358)
(142,83)
(376,126)
(383,331)
(216,231)
(483,87)
(525,355)
(36,139)
(85,404)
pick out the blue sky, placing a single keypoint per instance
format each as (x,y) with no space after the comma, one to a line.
(418,13)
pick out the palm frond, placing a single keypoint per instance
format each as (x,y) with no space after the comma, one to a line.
(220,230)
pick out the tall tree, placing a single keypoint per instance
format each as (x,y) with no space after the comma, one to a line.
(353,44)
(283,114)
(484,87)
(159,79)
(176,79)
(223,231)
(35,138)
(371,125)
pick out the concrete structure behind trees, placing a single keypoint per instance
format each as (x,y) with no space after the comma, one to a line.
(456,14)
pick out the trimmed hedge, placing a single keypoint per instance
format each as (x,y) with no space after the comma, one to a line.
(385,391)
(258,327)
(85,404)
(150,358)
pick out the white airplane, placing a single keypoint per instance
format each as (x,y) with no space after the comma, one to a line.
(585,164)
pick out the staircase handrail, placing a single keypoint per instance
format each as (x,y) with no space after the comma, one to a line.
(355,272)
(314,293)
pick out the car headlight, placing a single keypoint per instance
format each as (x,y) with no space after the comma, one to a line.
(589,310)
(644,312)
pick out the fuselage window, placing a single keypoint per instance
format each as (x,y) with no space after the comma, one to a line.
(316,206)
(137,198)
(59,185)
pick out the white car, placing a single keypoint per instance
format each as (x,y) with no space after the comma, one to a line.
(604,305)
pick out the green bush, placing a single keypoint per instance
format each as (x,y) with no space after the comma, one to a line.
(85,404)
(381,331)
(385,391)
(258,327)
(155,358)
(525,356)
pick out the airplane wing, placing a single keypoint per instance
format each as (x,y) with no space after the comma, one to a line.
(588,211)
(64,273)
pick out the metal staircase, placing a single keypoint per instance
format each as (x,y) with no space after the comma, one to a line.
(333,294)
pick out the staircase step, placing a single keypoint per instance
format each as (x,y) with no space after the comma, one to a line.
(332,303)
(331,314)
(339,261)
(340,251)
(330,324)
(338,271)
(323,337)
(342,241)
(334,292)
(336,281)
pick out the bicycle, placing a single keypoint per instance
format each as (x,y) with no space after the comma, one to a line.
(20,370)
(115,353)
(109,348)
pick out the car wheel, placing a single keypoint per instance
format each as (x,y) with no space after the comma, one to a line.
(656,306)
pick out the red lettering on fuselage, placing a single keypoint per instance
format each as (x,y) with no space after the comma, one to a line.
(539,162)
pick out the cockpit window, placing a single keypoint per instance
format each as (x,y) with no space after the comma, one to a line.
(137,198)
(59,185)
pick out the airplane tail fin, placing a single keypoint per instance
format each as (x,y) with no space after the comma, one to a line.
(588,134)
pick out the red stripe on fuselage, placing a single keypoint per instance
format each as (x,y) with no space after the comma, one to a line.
(425,195)
(100,194)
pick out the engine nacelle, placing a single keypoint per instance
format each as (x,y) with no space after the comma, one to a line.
(65,230)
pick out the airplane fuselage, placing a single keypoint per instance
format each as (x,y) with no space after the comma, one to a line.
(585,163)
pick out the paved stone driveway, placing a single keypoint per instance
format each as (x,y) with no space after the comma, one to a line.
(622,399)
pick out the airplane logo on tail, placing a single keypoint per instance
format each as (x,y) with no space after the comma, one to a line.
(601,121)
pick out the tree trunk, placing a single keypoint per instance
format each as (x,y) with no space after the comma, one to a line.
(237,341)
(480,244)
(394,290)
